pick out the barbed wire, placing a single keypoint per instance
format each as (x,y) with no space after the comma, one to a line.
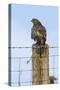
(31,57)
(28,59)
(31,47)
(31,81)
(31,69)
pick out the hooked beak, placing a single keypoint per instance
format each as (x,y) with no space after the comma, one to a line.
(31,20)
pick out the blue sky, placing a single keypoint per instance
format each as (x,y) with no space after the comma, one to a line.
(21,35)
(21,23)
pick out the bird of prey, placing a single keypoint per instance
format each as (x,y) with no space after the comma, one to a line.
(38,32)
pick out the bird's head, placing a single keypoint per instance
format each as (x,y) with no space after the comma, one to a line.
(36,21)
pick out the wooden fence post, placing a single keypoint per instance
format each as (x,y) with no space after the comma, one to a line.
(40,66)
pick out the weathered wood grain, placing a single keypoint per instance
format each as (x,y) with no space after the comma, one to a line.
(40,65)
